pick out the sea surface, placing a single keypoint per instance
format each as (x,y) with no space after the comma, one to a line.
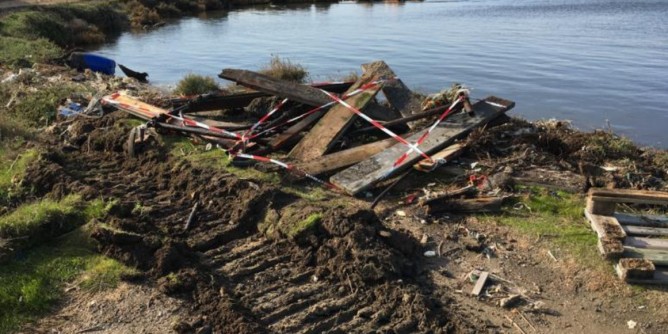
(599,63)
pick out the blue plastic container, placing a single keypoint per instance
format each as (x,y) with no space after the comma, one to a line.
(99,64)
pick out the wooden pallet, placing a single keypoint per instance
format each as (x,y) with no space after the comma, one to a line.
(637,242)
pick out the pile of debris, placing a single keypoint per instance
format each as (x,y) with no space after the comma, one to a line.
(338,129)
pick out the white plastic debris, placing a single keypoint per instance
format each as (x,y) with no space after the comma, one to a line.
(632,324)
(401,213)
(430,253)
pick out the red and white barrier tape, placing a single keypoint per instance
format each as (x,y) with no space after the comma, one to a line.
(426,134)
(316,109)
(376,124)
(287,166)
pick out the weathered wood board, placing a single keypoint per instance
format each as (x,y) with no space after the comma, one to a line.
(629,196)
(293,91)
(658,257)
(240,100)
(335,122)
(642,220)
(444,155)
(397,94)
(344,158)
(380,166)
(605,226)
(480,283)
(148,112)
(645,230)
(648,243)
(660,276)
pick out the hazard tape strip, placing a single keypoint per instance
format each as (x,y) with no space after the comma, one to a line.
(316,109)
(245,138)
(184,120)
(426,134)
(376,124)
(286,166)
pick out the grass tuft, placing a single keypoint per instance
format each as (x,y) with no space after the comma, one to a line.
(556,217)
(284,69)
(12,169)
(104,273)
(27,219)
(304,225)
(66,25)
(31,285)
(18,52)
(194,84)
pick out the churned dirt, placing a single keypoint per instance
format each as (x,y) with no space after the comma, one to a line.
(354,271)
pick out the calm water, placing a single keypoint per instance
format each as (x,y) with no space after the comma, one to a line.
(589,61)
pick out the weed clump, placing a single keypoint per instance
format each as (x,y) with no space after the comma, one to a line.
(29,286)
(66,25)
(284,69)
(29,219)
(17,52)
(194,84)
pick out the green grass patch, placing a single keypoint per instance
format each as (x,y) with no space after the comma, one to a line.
(198,156)
(12,169)
(556,217)
(194,84)
(66,25)
(39,108)
(30,286)
(18,52)
(304,225)
(28,218)
(104,273)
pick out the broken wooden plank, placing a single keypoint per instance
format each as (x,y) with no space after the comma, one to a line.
(610,249)
(648,243)
(380,112)
(440,157)
(644,230)
(293,91)
(468,190)
(642,220)
(365,174)
(335,122)
(240,100)
(600,207)
(658,257)
(635,269)
(660,276)
(605,226)
(397,94)
(480,283)
(292,132)
(629,196)
(344,158)
(404,120)
(475,205)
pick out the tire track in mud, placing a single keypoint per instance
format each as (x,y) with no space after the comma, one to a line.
(338,277)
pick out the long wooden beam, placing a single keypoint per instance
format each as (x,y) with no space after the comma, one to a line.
(365,174)
(335,122)
(296,92)
(344,158)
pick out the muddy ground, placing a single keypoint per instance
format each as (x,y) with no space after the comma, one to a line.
(356,270)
